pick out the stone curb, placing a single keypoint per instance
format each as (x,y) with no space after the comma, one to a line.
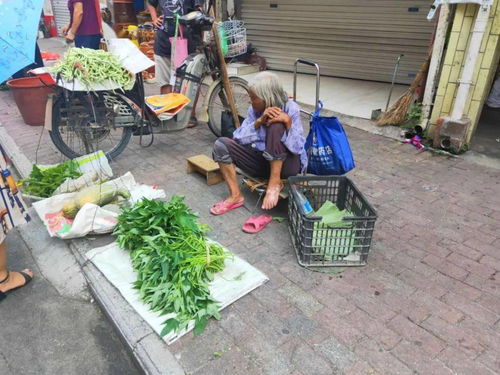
(148,350)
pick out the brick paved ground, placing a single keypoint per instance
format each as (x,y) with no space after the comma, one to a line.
(427,303)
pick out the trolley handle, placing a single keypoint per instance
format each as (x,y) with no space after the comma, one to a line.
(306,62)
(310,63)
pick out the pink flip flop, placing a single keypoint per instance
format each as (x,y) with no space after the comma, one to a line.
(223,207)
(256,224)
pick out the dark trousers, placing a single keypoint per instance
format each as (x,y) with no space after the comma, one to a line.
(88,41)
(257,163)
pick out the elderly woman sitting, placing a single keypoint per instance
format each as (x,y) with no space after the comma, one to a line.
(269,143)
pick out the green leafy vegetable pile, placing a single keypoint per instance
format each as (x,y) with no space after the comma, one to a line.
(43,182)
(92,67)
(173,259)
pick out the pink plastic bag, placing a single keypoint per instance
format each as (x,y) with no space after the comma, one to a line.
(180,51)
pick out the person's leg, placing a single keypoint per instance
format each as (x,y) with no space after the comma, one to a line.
(291,166)
(162,74)
(228,153)
(280,169)
(166,89)
(94,41)
(229,173)
(79,41)
(222,156)
(88,41)
(8,279)
(275,153)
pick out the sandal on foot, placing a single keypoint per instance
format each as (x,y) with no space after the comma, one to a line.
(223,207)
(27,279)
(256,224)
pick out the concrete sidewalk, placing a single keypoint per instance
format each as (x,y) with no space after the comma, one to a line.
(427,303)
(49,327)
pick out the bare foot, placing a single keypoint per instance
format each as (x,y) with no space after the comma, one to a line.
(15,280)
(272,196)
(233,200)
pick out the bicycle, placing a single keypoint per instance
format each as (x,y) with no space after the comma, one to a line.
(87,121)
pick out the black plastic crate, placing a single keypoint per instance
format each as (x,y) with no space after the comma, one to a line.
(318,245)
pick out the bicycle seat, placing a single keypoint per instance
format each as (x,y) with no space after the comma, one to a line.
(197,18)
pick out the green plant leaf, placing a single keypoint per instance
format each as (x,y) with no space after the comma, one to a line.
(199,325)
(170,325)
(280,219)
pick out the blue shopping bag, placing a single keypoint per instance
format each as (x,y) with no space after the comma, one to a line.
(327,146)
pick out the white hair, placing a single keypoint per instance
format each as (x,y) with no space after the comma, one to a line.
(267,86)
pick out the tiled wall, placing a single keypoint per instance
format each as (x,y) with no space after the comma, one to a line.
(454,60)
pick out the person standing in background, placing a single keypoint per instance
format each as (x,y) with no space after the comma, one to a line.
(166,29)
(85,25)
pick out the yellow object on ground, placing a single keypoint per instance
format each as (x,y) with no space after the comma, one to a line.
(166,103)
(98,194)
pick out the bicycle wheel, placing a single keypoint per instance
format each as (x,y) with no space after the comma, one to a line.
(86,125)
(217,103)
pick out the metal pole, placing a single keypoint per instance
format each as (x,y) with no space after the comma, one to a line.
(394,74)
(318,77)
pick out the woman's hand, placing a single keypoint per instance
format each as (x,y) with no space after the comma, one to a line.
(158,21)
(259,122)
(64,29)
(272,112)
(268,113)
(278,116)
(273,115)
(70,37)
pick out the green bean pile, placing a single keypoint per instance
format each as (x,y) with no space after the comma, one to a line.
(92,67)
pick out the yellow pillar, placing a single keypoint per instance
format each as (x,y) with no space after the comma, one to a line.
(454,60)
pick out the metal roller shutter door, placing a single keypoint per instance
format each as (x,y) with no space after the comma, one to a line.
(348,38)
(61,13)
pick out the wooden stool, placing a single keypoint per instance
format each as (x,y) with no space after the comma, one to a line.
(205,166)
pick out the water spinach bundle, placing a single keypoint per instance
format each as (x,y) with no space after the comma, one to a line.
(173,259)
(42,182)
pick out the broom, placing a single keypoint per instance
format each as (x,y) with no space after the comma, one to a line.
(397,113)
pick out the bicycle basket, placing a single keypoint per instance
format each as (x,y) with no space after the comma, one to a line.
(236,37)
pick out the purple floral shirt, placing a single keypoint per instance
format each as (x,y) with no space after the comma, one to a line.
(293,139)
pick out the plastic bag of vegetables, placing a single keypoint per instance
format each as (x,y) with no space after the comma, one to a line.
(100,195)
(43,182)
(47,180)
(95,213)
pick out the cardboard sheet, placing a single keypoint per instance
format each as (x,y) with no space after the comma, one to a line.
(115,265)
